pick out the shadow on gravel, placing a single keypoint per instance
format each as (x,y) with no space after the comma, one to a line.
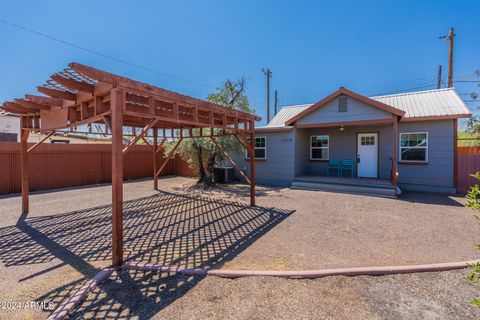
(429,198)
(166,228)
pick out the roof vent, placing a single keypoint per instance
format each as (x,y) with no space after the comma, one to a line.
(342,104)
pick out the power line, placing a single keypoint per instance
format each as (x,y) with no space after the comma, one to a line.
(135,65)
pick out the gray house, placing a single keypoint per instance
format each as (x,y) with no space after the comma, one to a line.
(352,143)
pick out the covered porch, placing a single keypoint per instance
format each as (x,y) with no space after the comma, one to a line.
(357,157)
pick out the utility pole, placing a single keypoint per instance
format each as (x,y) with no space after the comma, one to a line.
(439,79)
(268,73)
(276,102)
(449,37)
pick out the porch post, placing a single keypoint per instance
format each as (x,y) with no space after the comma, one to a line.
(251,126)
(117,102)
(455,154)
(395,150)
(24,164)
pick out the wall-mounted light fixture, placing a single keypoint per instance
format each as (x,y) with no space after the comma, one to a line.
(342,128)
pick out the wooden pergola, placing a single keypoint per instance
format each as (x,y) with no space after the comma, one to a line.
(81,95)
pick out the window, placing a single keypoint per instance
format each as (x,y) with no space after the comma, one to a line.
(342,104)
(260,148)
(367,140)
(414,147)
(319,147)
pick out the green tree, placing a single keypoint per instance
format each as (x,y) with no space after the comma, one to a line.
(473,123)
(473,197)
(201,153)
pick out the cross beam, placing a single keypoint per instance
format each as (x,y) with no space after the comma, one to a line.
(135,139)
(222,150)
(171,153)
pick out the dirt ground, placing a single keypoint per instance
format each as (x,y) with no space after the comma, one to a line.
(330,230)
(65,240)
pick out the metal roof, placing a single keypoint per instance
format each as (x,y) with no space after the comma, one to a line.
(419,104)
(286,113)
(439,102)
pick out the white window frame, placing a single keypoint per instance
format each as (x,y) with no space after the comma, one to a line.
(421,147)
(246,151)
(328,147)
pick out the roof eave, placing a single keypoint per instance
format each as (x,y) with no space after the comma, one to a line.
(274,129)
(436,118)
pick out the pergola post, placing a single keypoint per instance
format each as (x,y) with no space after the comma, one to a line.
(117,105)
(155,149)
(24,164)
(251,127)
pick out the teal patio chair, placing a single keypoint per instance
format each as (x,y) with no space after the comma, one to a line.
(347,164)
(333,164)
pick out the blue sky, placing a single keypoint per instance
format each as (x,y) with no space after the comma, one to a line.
(312,47)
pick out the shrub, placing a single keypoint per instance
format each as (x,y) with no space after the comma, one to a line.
(473,197)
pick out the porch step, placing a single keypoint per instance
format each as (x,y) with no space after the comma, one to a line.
(379,190)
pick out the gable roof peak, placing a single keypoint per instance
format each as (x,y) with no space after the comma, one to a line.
(342,90)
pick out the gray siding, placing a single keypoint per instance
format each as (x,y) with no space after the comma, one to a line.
(357,111)
(437,176)
(279,168)
(288,155)
(343,145)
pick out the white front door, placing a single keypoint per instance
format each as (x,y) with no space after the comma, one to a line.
(367,157)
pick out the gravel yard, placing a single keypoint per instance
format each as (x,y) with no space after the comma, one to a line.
(330,230)
(65,240)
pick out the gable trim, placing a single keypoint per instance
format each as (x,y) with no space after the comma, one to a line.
(327,99)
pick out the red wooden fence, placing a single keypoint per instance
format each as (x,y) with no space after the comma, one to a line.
(468,163)
(64,165)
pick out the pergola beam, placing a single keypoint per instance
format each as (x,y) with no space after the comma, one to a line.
(74,85)
(54,93)
(33,105)
(8,109)
(12,109)
(19,107)
(132,85)
(51,102)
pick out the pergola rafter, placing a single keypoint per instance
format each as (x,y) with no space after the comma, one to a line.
(82,95)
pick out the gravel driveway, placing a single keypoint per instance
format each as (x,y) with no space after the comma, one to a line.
(65,240)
